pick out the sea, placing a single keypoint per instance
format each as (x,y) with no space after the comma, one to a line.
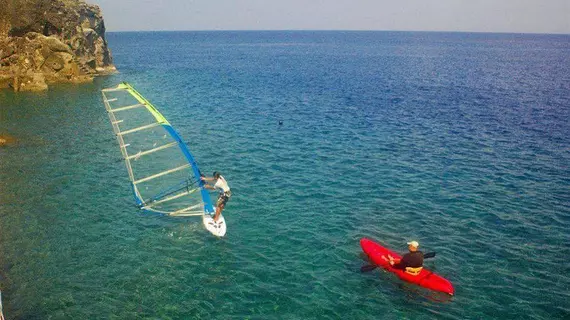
(460,141)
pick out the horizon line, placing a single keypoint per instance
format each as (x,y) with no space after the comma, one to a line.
(336,30)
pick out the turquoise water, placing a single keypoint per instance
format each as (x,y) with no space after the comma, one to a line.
(459,141)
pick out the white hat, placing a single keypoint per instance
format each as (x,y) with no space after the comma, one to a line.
(414,244)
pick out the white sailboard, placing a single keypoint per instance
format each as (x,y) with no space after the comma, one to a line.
(164,175)
(217,228)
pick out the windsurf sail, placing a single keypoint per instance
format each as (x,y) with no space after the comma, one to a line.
(164,175)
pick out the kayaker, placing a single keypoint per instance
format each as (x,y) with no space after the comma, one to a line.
(412,262)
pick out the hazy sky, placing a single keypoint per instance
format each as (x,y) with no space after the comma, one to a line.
(532,16)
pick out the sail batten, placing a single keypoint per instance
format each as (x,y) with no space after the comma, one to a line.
(185,210)
(160,174)
(164,175)
(148,126)
(154,150)
(188,214)
(172,197)
(138,105)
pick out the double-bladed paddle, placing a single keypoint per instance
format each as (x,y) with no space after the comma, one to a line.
(371,267)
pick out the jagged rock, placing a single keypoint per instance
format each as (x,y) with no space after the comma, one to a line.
(6,80)
(57,46)
(7,51)
(61,40)
(54,62)
(33,82)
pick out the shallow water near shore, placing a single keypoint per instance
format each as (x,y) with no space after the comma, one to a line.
(460,141)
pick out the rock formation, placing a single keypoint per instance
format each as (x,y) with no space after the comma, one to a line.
(49,41)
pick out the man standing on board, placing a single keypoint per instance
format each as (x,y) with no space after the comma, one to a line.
(225,193)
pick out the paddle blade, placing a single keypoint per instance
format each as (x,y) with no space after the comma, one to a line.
(367,268)
(429,255)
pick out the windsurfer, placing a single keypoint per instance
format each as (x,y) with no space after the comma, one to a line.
(225,193)
(412,262)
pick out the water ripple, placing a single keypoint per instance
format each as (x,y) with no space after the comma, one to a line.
(459,141)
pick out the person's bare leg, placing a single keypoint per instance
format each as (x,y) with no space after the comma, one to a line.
(218,211)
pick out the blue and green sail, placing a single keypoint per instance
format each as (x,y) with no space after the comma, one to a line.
(164,175)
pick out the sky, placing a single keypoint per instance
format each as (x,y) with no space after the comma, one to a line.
(517,16)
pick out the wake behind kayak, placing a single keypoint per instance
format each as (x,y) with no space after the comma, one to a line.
(425,278)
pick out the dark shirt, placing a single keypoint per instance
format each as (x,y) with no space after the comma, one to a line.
(411,259)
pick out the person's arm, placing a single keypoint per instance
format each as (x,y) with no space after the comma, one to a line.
(206,180)
(393,260)
(400,264)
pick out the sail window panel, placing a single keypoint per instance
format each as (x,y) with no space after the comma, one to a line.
(155,163)
(127,119)
(171,178)
(151,139)
(120,98)
(134,118)
(162,173)
(189,211)
(153,150)
(171,194)
(178,195)
(170,185)
(145,127)
(129,107)
(164,160)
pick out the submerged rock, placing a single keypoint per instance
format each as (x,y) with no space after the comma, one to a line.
(6,140)
(49,41)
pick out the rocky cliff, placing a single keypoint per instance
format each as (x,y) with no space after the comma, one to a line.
(50,41)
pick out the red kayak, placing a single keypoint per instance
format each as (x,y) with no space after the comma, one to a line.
(427,279)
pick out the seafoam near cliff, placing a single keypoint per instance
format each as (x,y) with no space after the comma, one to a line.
(49,41)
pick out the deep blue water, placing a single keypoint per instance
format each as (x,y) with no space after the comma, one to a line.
(458,140)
